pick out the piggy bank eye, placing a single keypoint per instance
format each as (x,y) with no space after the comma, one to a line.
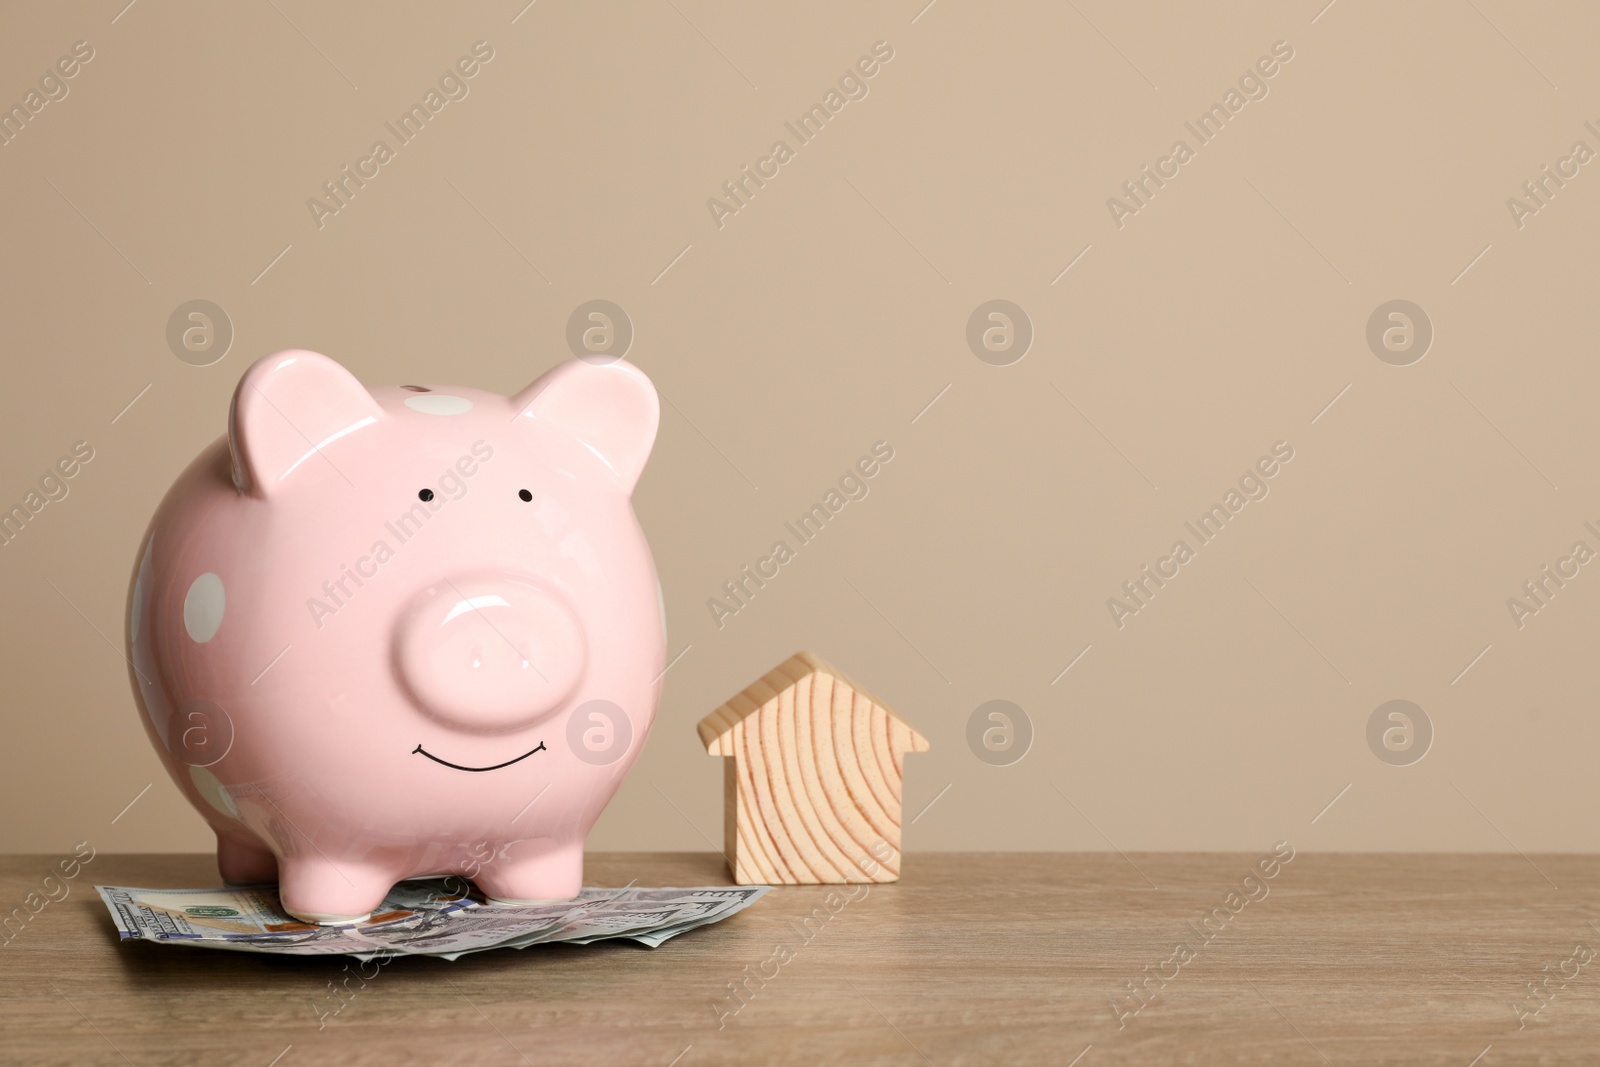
(425,495)
(525,495)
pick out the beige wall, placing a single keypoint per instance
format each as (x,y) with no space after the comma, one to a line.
(822,317)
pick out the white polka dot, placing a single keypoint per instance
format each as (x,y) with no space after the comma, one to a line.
(202,608)
(214,792)
(439,404)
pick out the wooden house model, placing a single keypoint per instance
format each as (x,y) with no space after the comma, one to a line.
(812,772)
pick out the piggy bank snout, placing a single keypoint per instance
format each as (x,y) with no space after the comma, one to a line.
(489,652)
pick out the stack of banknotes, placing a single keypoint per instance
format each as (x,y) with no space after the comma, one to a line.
(422,917)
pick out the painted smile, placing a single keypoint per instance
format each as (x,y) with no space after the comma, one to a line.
(459,767)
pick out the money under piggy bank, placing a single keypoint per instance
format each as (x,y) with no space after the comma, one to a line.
(378,634)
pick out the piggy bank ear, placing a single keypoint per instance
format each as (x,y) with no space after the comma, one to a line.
(289,407)
(610,407)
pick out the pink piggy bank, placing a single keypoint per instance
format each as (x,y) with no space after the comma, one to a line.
(378,634)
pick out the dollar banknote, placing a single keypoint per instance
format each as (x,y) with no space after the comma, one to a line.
(421,917)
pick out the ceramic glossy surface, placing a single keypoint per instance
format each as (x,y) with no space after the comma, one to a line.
(376,634)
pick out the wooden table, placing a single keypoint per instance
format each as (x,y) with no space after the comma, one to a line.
(971,959)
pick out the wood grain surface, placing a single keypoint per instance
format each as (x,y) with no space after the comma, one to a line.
(969,959)
(811,777)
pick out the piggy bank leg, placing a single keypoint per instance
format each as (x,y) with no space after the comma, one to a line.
(245,862)
(534,873)
(317,890)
